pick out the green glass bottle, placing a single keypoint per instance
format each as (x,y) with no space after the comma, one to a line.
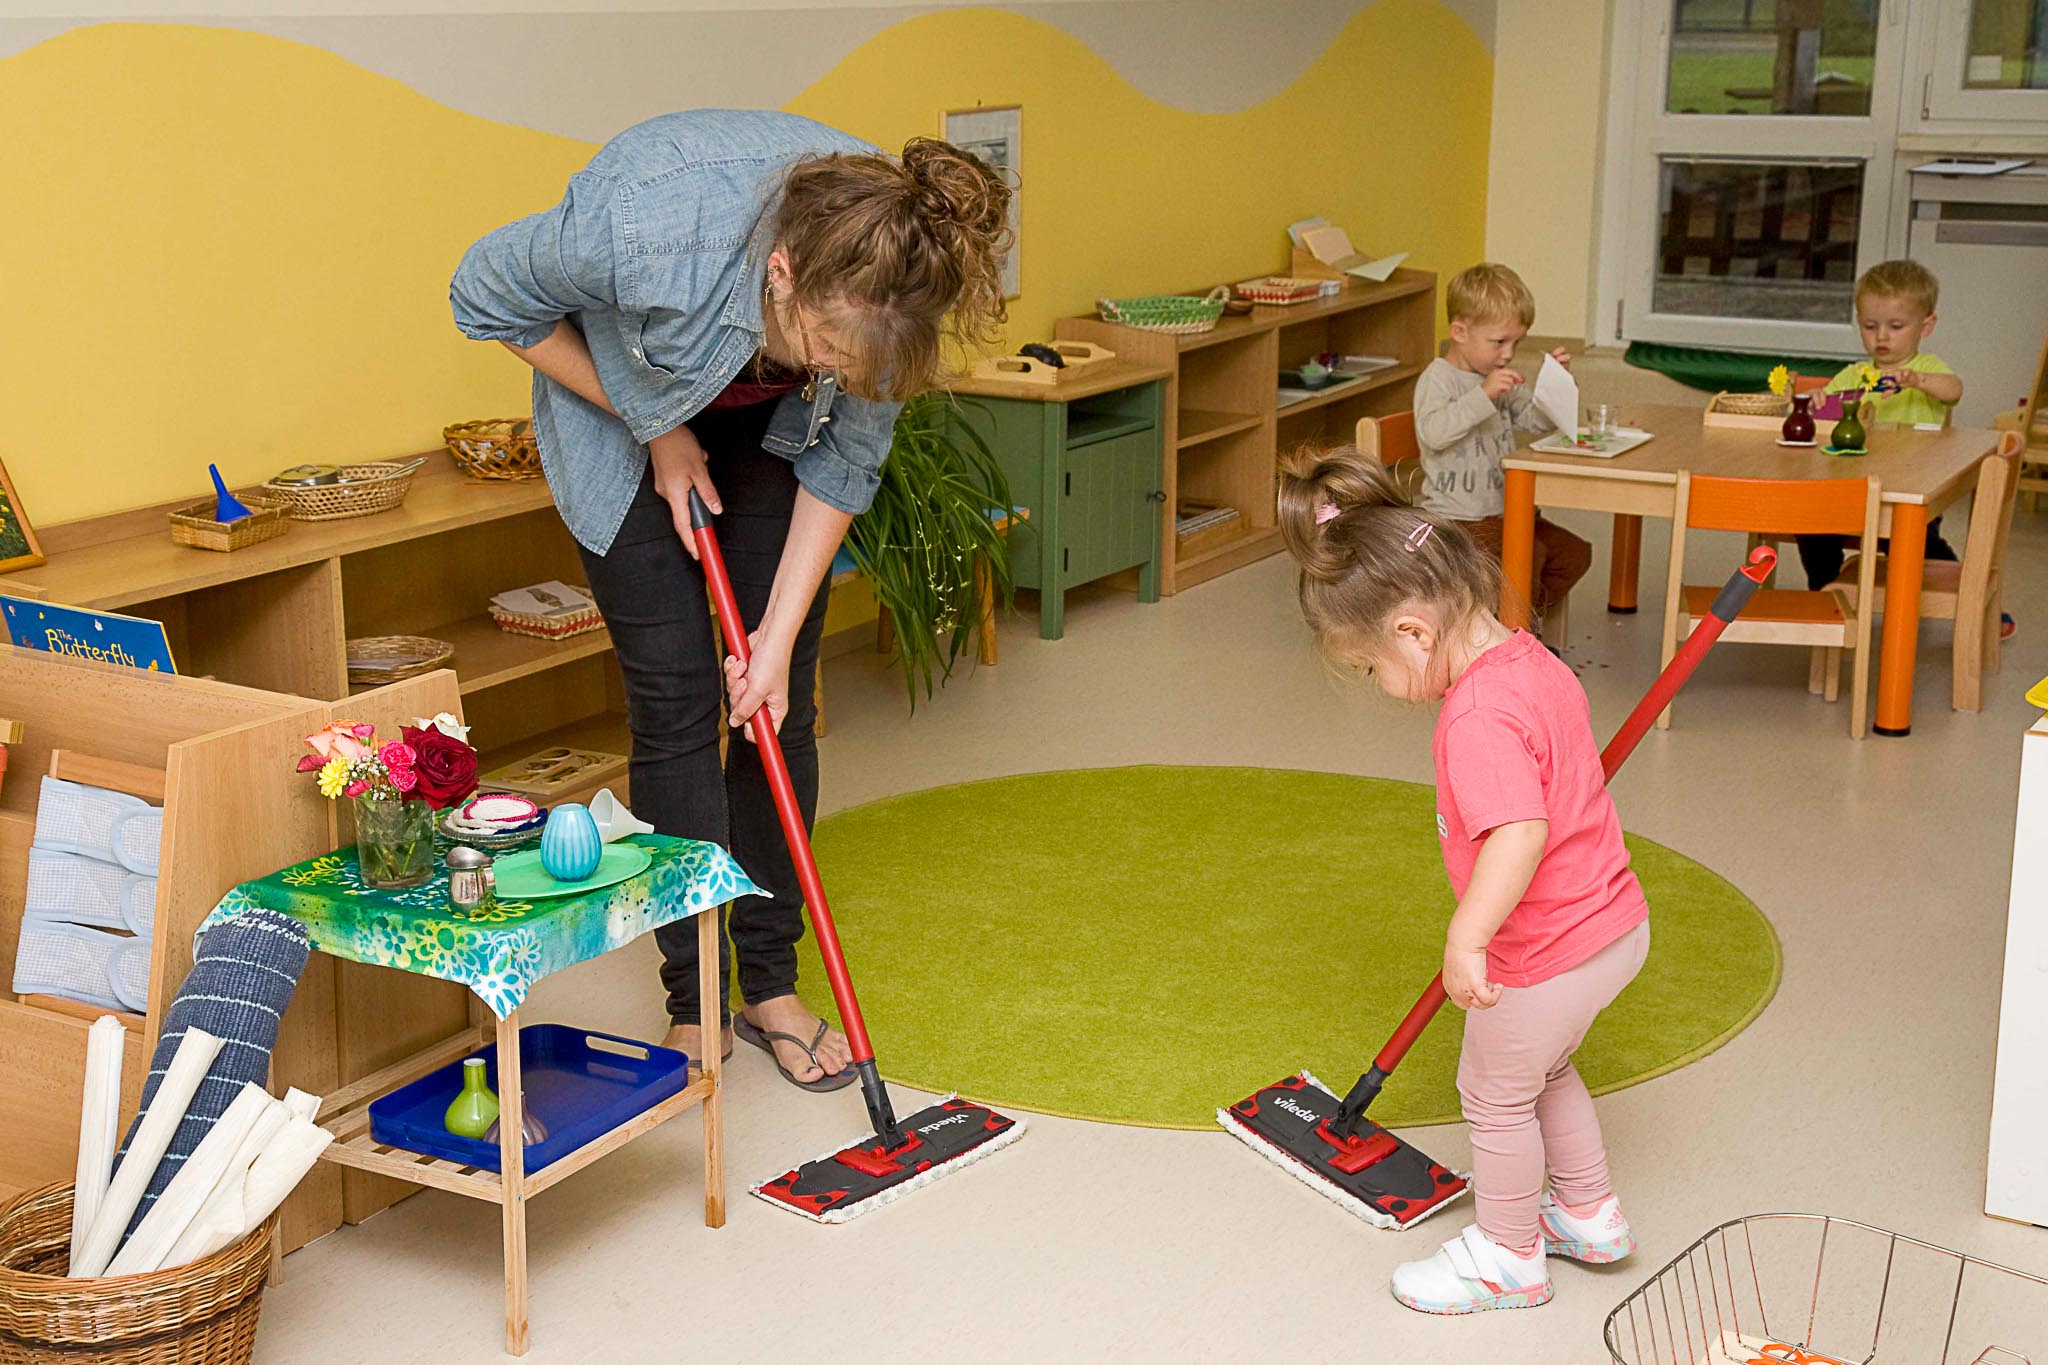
(476,1108)
(1849,437)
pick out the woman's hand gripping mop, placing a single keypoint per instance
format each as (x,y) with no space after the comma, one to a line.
(1328,1144)
(903,1154)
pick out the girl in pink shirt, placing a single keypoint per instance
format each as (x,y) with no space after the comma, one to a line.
(1550,925)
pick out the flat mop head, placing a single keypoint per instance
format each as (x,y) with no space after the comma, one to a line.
(1372,1174)
(939,1140)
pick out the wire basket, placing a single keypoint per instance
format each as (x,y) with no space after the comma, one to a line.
(495,448)
(378,659)
(195,525)
(200,1313)
(1749,404)
(1808,1289)
(1176,314)
(377,486)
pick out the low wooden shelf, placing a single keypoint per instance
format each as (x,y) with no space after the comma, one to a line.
(1225,426)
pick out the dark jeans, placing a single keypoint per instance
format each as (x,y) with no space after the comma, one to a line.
(1823,556)
(653,597)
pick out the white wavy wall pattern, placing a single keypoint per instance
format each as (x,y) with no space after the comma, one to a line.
(587,73)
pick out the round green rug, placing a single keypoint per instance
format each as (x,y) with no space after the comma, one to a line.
(1143,945)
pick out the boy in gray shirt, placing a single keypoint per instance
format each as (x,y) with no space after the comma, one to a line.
(1467,406)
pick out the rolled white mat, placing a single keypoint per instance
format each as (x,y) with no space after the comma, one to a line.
(275,1174)
(99,1124)
(173,1210)
(298,1102)
(188,1068)
(227,1191)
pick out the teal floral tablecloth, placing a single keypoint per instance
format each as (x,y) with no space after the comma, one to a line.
(500,950)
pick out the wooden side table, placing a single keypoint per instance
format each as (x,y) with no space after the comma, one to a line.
(498,954)
(1084,457)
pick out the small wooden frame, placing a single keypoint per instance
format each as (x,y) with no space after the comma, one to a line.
(19,547)
(553,772)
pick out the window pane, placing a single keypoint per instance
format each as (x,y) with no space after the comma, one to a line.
(2007,42)
(1774,56)
(1757,240)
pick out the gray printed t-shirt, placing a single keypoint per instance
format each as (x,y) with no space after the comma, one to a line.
(1464,436)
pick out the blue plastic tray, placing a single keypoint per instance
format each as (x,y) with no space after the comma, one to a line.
(580,1084)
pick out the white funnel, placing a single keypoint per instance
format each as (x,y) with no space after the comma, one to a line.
(614,821)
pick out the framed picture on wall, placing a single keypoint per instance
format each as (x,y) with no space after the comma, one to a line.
(19,548)
(991,132)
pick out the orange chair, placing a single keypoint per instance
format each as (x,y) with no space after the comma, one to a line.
(1825,622)
(1970,593)
(1389,439)
(1809,383)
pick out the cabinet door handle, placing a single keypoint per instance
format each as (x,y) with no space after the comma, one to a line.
(1156,495)
(1070,483)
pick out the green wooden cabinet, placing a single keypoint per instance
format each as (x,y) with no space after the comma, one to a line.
(1089,471)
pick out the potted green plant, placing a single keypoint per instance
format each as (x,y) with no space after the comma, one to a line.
(933,520)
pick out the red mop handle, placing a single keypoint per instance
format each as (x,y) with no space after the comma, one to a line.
(762,727)
(1727,606)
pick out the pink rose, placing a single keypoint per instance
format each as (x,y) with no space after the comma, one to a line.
(398,754)
(356,788)
(404,779)
(344,739)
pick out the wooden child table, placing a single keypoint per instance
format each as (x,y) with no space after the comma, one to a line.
(498,952)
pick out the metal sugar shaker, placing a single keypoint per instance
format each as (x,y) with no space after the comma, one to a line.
(471,878)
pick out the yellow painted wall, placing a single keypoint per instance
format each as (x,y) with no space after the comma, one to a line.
(1543,176)
(226,246)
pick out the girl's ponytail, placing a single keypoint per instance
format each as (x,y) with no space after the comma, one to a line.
(1366,553)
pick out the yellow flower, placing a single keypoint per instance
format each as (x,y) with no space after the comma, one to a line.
(333,777)
(1781,380)
(1867,375)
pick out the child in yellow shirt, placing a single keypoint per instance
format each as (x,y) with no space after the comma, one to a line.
(1894,314)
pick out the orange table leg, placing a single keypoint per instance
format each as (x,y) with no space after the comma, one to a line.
(1623,563)
(1903,564)
(1518,548)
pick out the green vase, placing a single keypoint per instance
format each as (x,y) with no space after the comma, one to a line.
(476,1108)
(1849,431)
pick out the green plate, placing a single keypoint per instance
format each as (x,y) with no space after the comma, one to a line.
(522,878)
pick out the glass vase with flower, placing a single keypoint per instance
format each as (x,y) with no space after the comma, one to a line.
(396,789)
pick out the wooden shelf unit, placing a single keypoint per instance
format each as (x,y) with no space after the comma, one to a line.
(1224,425)
(277,615)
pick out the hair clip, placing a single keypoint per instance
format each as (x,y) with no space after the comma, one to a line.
(1418,537)
(1329,511)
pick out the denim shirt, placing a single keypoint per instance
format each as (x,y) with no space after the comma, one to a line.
(658,255)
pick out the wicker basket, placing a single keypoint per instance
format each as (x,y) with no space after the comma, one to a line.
(423,655)
(196,527)
(495,448)
(1176,314)
(203,1313)
(1280,290)
(1749,404)
(377,486)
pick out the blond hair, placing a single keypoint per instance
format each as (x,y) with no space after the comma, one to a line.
(1366,553)
(1900,279)
(899,256)
(1488,293)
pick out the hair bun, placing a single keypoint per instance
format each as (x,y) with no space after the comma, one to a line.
(955,187)
(1318,486)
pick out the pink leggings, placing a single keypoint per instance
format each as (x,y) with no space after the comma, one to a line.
(1526,1105)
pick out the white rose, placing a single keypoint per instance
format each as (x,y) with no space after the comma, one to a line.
(446,724)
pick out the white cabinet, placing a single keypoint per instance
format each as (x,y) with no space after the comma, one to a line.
(2017,1184)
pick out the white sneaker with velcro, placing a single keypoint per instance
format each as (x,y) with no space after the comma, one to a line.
(1601,1238)
(1470,1274)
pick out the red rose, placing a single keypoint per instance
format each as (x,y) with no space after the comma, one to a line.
(446,767)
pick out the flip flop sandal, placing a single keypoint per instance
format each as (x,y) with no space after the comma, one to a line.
(765,1039)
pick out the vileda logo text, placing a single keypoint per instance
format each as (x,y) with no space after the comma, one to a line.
(1299,1111)
(942,1123)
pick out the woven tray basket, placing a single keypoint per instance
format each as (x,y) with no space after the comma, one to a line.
(428,654)
(1280,290)
(203,1313)
(377,486)
(495,448)
(196,527)
(559,627)
(1176,314)
(1750,404)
